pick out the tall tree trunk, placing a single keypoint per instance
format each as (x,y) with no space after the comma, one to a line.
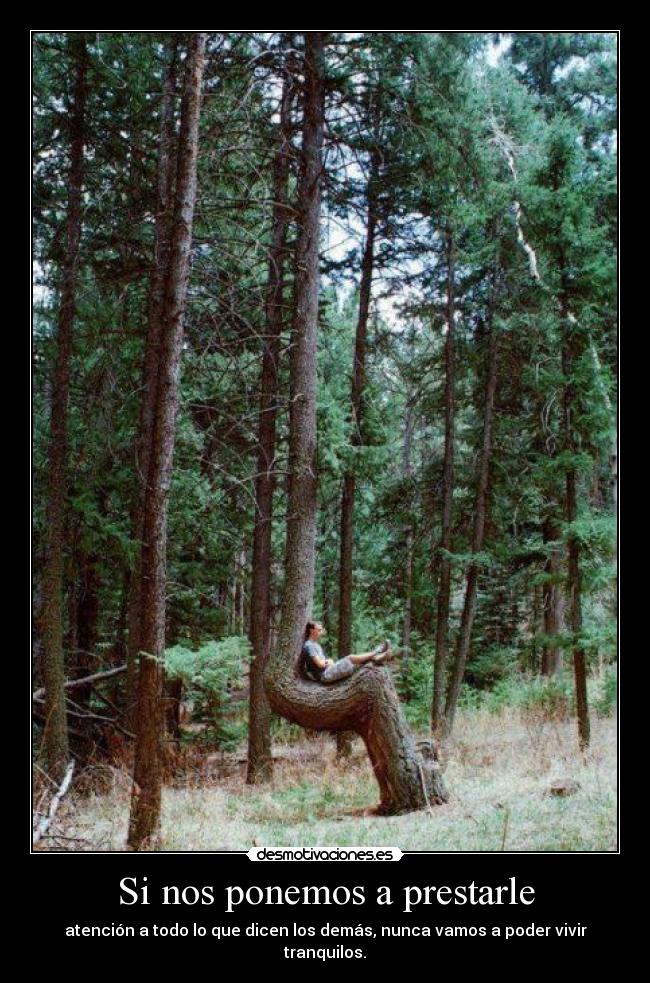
(478,535)
(55,736)
(163,227)
(552,600)
(260,759)
(409,541)
(407,471)
(424,614)
(147,774)
(302,483)
(366,702)
(444,580)
(574,576)
(343,743)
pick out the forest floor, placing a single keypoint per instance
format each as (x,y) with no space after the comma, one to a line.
(499,771)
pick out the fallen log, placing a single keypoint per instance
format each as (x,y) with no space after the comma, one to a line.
(85,681)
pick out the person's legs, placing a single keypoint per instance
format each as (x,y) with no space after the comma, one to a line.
(363,657)
(345,667)
(339,670)
(380,654)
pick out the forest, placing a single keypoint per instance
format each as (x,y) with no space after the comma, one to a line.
(325,348)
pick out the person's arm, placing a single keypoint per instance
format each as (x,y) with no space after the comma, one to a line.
(319,661)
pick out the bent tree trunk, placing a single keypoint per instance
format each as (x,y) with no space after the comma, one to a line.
(366,703)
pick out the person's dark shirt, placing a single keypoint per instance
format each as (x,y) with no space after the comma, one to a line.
(310,651)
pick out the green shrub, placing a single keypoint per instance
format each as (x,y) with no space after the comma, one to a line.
(226,734)
(209,674)
(550,697)
(414,686)
(285,732)
(492,666)
(607,690)
(470,698)
(210,668)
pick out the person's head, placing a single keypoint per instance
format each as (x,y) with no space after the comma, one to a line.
(313,631)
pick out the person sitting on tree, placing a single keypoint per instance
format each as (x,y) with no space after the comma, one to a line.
(316,667)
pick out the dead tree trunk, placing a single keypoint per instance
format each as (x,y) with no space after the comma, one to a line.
(444,580)
(147,774)
(55,737)
(366,703)
(164,214)
(260,760)
(478,533)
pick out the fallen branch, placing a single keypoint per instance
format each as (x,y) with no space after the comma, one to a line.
(44,824)
(88,715)
(86,681)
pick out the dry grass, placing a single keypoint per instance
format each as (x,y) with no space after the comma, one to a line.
(499,769)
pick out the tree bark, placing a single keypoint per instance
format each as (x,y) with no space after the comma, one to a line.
(409,543)
(55,737)
(574,576)
(260,759)
(366,702)
(344,744)
(163,227)
(478,534)
(551,600)
(147,774)
(444,580)
(407,471)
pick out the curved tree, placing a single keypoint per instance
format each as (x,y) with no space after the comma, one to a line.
(367,702)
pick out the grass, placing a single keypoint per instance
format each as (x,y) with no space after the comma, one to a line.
(499,769)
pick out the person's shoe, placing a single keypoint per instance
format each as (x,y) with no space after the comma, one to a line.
(383,653)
